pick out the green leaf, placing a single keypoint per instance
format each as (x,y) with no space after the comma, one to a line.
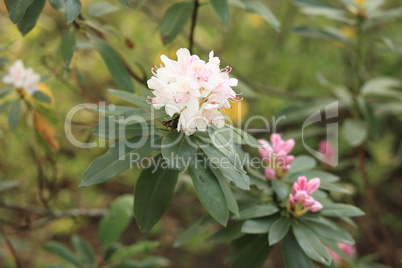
(143,114)
(253,255)
(191,232)
(326,34)
(227,234)
(177,150)
(67,46)
(341,210)
(278,230)
(257,211)
(27,23)
(120,157)
(114,63)
(39,95)
(117,220)
(131,98)
(84,249)
(14,114)
(258,8)
(311,244)
(382,87)
(280,188)
(222,9)
(153,194)
(235,174)
(7,185)
(227,191)
(354,131)
(63,252)
(259,226)
(101,8)
(17,8)
(301,163)
(115,110)
(293,255)
(327,229)
(70,8)
(310,174)
(4,106)
(174,20)
(209,192)
(109,129)
(224,145)
(5,90)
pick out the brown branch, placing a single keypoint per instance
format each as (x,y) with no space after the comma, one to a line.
(11,248)
(374,210)
(193,23)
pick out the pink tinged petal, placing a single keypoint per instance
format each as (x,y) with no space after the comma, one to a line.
(300,196)
(317,206)
(302,182)
(269,173)
(288,145)
(289,159)
(313,185)
(292,199)
(308,202)
(349,250)
(265,151)
(276,141)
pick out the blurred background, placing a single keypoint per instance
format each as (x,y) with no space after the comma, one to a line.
(280,73)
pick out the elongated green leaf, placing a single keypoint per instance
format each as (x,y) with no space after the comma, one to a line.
(254,254)
(177,150)
(84,250)
(140,115)
(153,195)
(193,231)
(101,8)
(115,110)
(293,255)
(117,220)
(131,97)
(174,20)
(235,174)
(310,174)
(114,64)
(259,226)
(222,9)
(39,95)
(209,192)
(67,46)
(301,163)
(32,13)
(17,8)
(257,7)
(311,244)
(120,157)
(327,34)
(327,229)
(109,129)
(5,90)
(227,234)
(227,191)
(257,211)
(14,114)
(280,188)
(278,230)
(63,252)
(70,8)
(224,145)
(341,210)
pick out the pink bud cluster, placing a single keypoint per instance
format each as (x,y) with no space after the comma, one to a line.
(350,250)
(328,151)
(192,89)
(276,155)
(21,77)
(300,200)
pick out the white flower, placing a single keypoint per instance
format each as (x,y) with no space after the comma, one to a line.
(193,89)
(20,77)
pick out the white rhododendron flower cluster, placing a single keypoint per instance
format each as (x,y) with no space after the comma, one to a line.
(21,77)
(193,89)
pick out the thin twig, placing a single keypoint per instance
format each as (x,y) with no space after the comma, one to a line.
(11,248)
(193,23)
